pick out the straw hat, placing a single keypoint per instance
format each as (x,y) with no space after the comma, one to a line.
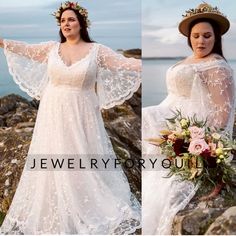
(206,11)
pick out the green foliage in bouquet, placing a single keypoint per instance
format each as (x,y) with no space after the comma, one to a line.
(197,152)
(1,217)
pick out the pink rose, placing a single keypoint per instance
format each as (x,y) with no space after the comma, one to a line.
(72,5)
(196,132)
(197,146)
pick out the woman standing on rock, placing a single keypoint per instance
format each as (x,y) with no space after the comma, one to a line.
(73,79)
(200,85)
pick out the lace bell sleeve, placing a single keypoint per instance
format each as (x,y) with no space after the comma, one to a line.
(118,77)
(219,95)
(27,64)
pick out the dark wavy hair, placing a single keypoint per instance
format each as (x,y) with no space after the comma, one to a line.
(83,31)
(217,48)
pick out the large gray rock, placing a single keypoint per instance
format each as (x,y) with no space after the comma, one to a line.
(15,109)
(225,224)
(125,136)
(11,102)
(195,222)
(136,53)
(198,215)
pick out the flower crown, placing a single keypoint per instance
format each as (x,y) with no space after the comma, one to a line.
(203,8)
(75,6)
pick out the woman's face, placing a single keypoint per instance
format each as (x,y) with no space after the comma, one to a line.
(69,24)
(202,39)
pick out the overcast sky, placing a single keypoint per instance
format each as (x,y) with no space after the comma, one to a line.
(160,18)
(110,19)
(116,23)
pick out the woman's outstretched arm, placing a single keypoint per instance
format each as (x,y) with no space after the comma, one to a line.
(27,64)
(118,77)
(1,43)
(37,52)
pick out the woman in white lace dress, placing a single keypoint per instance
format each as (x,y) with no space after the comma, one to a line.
(201,84)
(73,79)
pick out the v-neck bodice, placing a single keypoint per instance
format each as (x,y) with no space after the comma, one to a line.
(79,75)
(79,60)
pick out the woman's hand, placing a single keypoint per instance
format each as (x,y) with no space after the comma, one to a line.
(1,43)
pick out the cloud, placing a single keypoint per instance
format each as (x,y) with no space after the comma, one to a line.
(112,22)
(18,26)
(232,31)
(164,35)
(25,3)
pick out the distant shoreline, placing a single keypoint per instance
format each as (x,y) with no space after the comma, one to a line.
(172,58)
(163,58)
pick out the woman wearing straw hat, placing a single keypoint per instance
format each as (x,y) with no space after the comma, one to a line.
(200,85)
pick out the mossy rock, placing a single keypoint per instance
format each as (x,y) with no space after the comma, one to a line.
(136,53)
(2,216)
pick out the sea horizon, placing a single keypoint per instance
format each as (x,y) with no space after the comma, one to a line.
(154,89)
(172,58)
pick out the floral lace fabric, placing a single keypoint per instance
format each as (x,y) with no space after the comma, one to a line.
(117,77)
(69,122)
(28,65)
(204,89)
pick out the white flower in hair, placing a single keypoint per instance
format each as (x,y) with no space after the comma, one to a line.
(64,5)
(75,6)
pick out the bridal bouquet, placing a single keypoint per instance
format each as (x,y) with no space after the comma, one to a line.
(195,151)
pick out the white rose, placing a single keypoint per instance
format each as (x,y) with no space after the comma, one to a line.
(58,14)
(216,136)
(64,5)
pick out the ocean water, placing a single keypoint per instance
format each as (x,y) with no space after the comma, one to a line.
(154,80)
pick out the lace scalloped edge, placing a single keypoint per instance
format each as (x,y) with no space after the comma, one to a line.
(18,81)
(131,231)
(120,220)
(180,207)
(120,100)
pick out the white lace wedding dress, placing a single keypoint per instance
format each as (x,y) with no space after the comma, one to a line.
(205,89)
(69,122)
